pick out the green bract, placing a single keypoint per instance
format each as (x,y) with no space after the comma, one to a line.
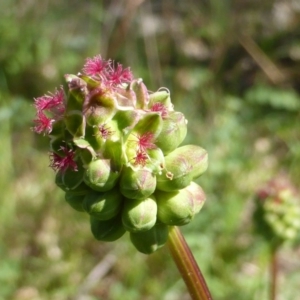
(116,149)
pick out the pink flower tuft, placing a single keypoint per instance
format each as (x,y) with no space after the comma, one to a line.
(159,107)
(54,102)
(119,75)
(146,141)
(96,66)
(61,164)
(43,124)
(141,158)
(104,131)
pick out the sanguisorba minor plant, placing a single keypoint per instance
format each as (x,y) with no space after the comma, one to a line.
(115,148)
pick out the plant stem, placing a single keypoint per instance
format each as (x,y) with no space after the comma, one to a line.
(273,274)
(187,265)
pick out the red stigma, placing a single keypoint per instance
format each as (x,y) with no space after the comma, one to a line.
(104,131)
(159,107)
(62,163)
(146,141)
(141,158)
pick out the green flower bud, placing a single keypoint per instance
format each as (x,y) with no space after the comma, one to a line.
(107,231)
(183,165)
(103,206)
(139,215)
(151,240)
(137,183)
(178,208)
(75,201)
(173,132)
(99,175)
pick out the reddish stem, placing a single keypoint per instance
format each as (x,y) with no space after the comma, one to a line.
(187,265)
(273,274)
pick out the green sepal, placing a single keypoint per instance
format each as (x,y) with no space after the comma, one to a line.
(141,92)
(139,215)
(99,175)
(179,208)
(137,183)
(103,206)
(90,82)
(162,97)
(114,151)
(156,160)
(58,128)
(75,123)
(81,189)
(77,93)
(126,96)
(149,241)
(183,165)
(150,122)
(107,231)
(174,130)
(75,201)
(100,107)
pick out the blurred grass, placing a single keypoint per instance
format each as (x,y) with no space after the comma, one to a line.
(232,68)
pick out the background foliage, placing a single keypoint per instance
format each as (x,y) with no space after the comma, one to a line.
(233,69)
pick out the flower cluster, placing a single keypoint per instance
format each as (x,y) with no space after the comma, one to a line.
(116,151)
(277,211)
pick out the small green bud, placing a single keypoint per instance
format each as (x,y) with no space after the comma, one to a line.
(75,201)
(139,215)
(137,183)
(99,175)
(183,165)
(173,132)
(103,206)
(151,240)
(178,208)
(107,231)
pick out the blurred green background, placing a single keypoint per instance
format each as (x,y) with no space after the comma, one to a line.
(233,69)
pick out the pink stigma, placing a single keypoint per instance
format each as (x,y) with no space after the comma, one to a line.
(59,163)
